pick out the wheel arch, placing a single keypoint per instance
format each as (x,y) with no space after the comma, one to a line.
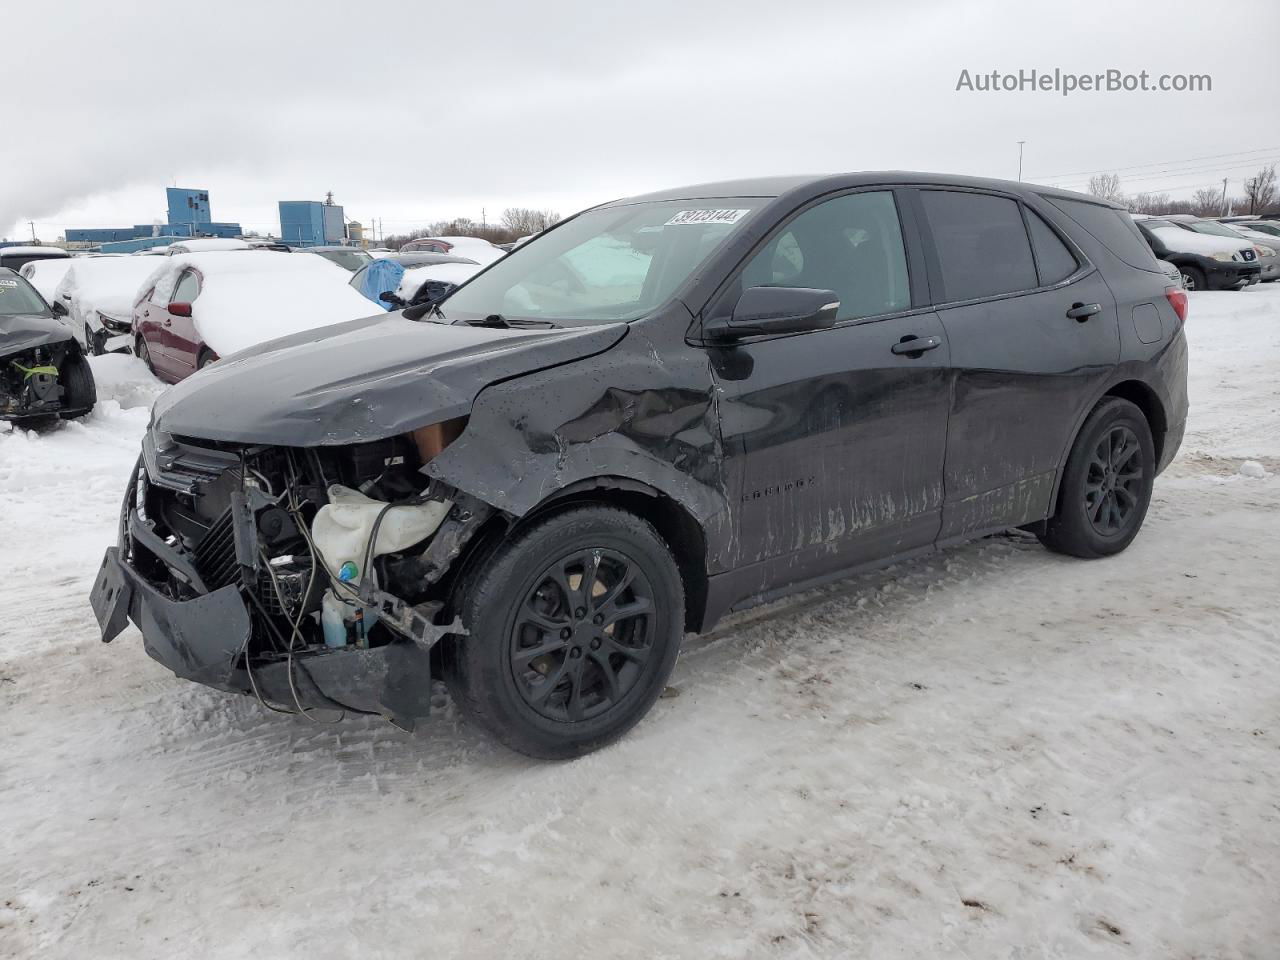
(1141,395)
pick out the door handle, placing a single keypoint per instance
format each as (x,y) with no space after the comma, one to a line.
(909,346)
(1080,312)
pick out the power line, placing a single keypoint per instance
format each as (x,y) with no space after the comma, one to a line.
(1159,174)
(1153,163)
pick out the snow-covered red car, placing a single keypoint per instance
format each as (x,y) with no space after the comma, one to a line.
(199,307)
(473,248)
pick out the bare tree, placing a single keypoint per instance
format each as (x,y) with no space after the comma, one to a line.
(1207,202)
(1106,186)
(1260,191)
(522,221)
(1150,203)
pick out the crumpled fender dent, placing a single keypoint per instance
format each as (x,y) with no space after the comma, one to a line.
(646,413)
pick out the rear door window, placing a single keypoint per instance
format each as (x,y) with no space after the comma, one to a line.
(982,244)
(851,245)
(1054,259)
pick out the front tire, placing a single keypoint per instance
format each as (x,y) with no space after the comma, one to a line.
(574,625)
(1106,487)
(1193,278)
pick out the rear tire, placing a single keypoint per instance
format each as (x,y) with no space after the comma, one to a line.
(143,353)
(1106,487)
(204,358)
(574,626)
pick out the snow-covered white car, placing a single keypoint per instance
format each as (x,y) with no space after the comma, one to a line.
(45,275)
(96,295)
(473,248)
(199,307)
(206,245)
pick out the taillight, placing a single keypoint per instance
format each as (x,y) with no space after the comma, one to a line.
(1178,300)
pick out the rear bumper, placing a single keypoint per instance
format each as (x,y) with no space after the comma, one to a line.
(205,639)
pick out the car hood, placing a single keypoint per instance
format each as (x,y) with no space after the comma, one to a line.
(362,380)
(1205,244)
(27,330)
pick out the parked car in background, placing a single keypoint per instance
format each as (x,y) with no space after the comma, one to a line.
(1270,228)
(43,372)
(661,410)
(206,245)
(199,307)
(1205,262)
(384,274)
(481,251)
(96,295)
(45,274)
(1267,247)
(15,257)
(349,258)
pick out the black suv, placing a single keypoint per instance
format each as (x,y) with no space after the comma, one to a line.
(663,409)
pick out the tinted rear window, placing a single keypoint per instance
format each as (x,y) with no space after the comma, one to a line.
(1113,229)
(1055,260)
(982,244)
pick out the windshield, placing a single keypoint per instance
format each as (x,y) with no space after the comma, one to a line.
(1215,229)
(613,263)
(350,259)
(17,296)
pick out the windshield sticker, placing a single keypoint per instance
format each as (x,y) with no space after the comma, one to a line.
(707,216)
(8,283)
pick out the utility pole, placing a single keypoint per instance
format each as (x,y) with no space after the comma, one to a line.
(1020,143)
(1224,196)
(32,225)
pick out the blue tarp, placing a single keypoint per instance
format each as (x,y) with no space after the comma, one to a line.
(379,276)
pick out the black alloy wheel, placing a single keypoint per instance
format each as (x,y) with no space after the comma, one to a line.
(1106,484)
(1113,486)
(582,635)
(574,622)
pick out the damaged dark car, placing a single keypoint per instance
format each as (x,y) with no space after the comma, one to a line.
(663,409)
(44,374)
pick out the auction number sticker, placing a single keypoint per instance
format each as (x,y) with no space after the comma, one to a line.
(8,283)
(706,216)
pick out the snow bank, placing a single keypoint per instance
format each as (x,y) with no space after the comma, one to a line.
(252,296)
(110,285)
(456,273)
(124,379)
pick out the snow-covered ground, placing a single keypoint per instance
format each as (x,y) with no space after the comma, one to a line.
(993,753)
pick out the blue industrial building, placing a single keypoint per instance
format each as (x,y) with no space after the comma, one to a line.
(310,223)
(189,216)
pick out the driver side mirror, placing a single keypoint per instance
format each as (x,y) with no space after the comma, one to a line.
(58,309)
(767,311)
(180,309)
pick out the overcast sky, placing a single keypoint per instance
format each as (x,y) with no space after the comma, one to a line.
(416,111)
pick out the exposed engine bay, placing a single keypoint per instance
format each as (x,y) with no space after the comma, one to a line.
(45,381)
(335,551)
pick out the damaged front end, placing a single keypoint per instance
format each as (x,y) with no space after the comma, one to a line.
(46,378)
(310,578)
